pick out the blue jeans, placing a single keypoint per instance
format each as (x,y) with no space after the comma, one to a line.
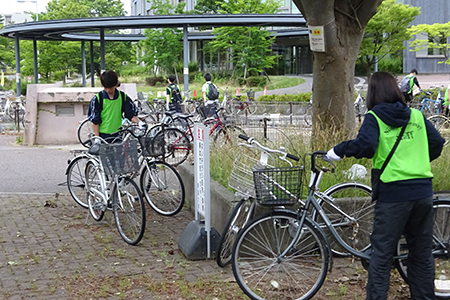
(413,219)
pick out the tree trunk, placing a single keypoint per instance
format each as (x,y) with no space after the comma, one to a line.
(334,69)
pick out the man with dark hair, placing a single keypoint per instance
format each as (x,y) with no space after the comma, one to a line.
(206,89)
(108,106)
(173,96)
(407,84)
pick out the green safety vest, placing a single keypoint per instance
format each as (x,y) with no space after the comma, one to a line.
(111,114)
(411,82)
(411,159)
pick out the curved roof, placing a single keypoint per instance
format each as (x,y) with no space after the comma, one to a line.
(75,29)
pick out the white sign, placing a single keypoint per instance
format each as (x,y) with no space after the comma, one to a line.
(316,38)
(202,179)
(186,71)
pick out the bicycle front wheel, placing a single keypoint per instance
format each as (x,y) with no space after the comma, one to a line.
(162,187)
(177,145)
(239,217)
(76,180)
(84,133)
(93,178)
(261,271)
(355,200)
(252,106)
(227,135)
(129,211)
(441,249)
(442,124)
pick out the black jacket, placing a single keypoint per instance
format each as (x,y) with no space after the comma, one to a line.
(366,143)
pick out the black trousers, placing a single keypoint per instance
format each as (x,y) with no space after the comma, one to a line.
(413,219)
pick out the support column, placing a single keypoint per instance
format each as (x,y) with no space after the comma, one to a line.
(83,64)
(102,51)
(17,65)
(186,58)
(35,57)
(92,65)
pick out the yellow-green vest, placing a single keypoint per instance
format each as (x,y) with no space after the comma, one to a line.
(111,114)
(411,158)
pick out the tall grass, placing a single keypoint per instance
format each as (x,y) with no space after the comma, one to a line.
(299,143)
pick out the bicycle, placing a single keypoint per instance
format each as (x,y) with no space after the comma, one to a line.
(360,105)
(429,106)
(349,205)
(9,105)
(249,106)
(442,124)
(110,187)
(75,177)
(286,255)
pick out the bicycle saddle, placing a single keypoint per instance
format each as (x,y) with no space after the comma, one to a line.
(94,149)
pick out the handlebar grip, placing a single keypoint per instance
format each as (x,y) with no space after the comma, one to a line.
(243,137)
(293,157)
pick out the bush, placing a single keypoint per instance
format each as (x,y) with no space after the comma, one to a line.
(131,70)
(393,65)
(257,81)
(155,81)
(303,97)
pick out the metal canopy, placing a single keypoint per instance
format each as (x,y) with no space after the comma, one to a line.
(74,29)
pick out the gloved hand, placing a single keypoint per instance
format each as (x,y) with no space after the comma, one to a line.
(141,125)
(97,141)
(331,155)
(167,107)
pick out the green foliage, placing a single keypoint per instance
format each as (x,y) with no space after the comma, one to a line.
(131,69)
(155,81)
(303,97)
(256,81)
(385,32)
(391,64)
(438,35)
(6,52)
(249,47)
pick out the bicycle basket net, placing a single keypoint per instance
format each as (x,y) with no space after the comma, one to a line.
(119,158)
(278,186)
(152,146)
(206,111)
(241,177)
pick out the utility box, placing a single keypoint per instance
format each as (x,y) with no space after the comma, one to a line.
(193,241)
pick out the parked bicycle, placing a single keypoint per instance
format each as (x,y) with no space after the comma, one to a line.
(286,255)
(348,204)
(12,107)
(360,105)
(247,106)
(429,106)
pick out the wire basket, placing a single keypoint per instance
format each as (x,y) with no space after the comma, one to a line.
(119,158)
(251,94)
(241,177)
(206,111)
(278,186)
(152,146)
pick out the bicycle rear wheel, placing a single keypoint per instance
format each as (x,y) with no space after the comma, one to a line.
(442,124)
(177,145)
(252,106)
(76,180)
(262,273)
(162,187)
(96,206)
(129,211)
(85,132)
(356,201)
(441,249)
(227,135)
(239,217)
(235,106)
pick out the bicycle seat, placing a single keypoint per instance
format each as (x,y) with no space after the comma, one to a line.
(94,149)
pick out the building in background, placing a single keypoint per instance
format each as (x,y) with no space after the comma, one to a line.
(291,44)
(16,18)
(427,60)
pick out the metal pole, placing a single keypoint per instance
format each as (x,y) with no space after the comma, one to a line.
(186,58)
(102,50)
(83,64)
(17,65)
(92,65)
(35,57)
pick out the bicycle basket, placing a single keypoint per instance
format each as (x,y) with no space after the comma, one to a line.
(227,94)
(251,94)
(206,111)
(152,146)
(278,186)
(119,158)
(241,177)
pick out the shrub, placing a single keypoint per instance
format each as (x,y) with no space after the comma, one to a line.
(258,81)
(303,97)
(155,81)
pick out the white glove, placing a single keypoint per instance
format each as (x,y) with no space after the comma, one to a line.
(97,141)
(331,155)
(141,125)
(167,107)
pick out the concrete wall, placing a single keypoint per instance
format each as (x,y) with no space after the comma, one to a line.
(53,113)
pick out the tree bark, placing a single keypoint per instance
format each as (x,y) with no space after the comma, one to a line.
(344,22)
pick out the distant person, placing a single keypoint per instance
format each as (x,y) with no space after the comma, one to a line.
(407,84)
(209,89)
(107,108)
(173,96)
(446,101)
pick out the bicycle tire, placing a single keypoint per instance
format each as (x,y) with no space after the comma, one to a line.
(260,271)
(84,133)
(129,211)
(441,247)
(442,124)
(235,106)
(252,106)
(96,206)
(11,111)
(354,199)
(163,188)
(76,180)
(227,135)
(239,217)
(177,145)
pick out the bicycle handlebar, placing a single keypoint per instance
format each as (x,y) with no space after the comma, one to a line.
(323,155)
(253,142)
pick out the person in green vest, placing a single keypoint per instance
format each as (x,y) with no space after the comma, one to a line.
(173,95)
(446,101)
(404,202)
(407,85)
(108,107)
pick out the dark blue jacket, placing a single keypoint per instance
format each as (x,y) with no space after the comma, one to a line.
(366,143)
